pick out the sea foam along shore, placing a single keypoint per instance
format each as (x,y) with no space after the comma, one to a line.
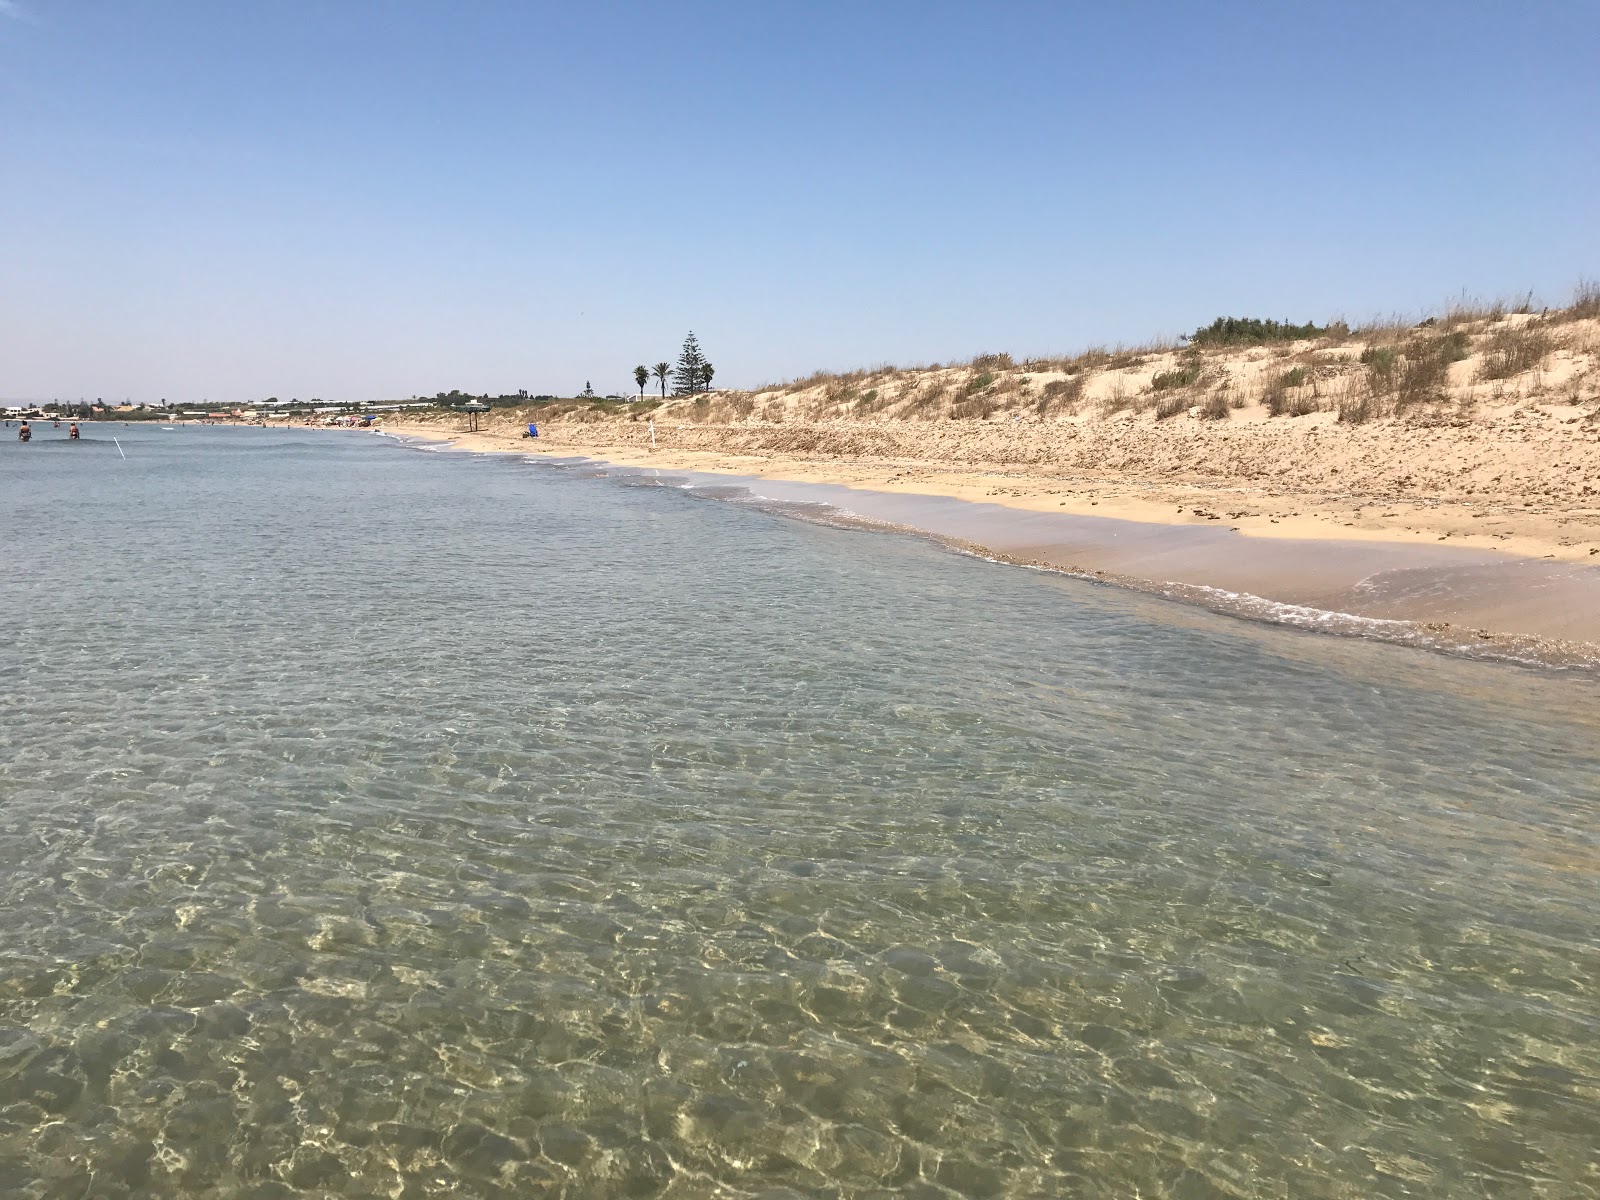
(1396,584)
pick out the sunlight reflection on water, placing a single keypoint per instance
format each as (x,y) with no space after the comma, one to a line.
(379,823)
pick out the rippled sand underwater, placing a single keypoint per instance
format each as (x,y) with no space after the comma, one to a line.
(379,823)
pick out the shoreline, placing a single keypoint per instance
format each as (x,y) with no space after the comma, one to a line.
(1516,599)
(1512,529)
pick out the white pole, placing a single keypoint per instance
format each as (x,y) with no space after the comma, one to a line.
(652,433)
(119,449)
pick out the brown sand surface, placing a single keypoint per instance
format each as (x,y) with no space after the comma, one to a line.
(1482,530)
(1528,486)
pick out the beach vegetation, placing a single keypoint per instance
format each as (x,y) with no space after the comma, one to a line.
(1380,361)
(1066,391)
(993,362)
(1117,398)
(1514,349)
(1382,331)
(1390,367)
(1284,394)
(1275,396)
(1186,374)
(1467,310)
(1417,372)
(1092,359)
(1061,395)
(1098,358)
(1171,404)
(689,374)
(926,400)
(1585,301)
(1253,331)
(1357,406)
(973,407)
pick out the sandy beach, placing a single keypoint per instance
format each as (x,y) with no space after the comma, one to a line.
(1445,473)
(1505,570)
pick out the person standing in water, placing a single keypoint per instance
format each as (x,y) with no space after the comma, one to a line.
(24,434)
(72,432)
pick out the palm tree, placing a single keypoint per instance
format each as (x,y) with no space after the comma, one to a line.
(641,376)
(661,371)
(706,372)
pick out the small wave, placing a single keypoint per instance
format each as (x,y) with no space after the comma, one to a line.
(426,445)
(1442,637)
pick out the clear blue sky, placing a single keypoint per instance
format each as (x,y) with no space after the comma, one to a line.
(362,199)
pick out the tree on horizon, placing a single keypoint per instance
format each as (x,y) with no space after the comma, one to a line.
(688,375)
(706,372)
(661,370)
(641,376)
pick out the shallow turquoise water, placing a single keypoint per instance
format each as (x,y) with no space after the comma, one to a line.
(385,823)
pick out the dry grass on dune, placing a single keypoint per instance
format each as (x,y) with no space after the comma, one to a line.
(1481,423)
(1482,405)
(1469,360)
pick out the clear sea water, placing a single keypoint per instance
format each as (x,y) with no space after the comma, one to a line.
(376,822)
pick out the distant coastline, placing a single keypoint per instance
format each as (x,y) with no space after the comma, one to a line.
(1442,473)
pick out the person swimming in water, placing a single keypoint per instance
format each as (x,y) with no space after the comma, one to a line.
(72,432)
(24,434)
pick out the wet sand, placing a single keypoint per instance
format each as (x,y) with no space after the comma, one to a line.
(1467,597)
(1477,592)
